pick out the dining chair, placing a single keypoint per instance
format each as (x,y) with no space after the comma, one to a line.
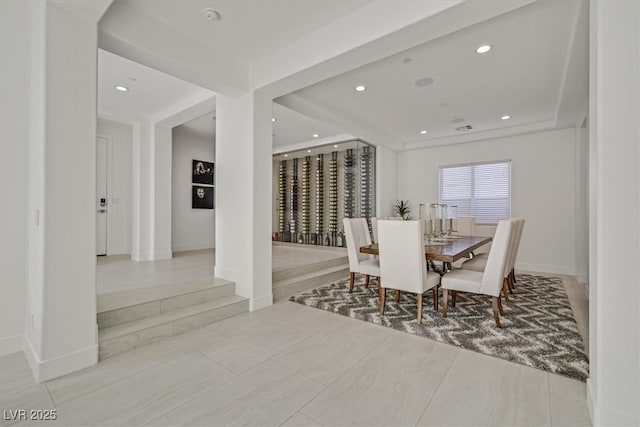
(403,265)
(479,262)
(374,224)
(490,282)
(357,235)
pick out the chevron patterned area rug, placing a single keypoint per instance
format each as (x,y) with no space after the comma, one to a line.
(538,327)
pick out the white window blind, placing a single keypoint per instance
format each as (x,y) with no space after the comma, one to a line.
(481,190)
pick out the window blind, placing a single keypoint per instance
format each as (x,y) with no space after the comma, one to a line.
(481,190)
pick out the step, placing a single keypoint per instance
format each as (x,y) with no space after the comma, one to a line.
(301,270)
(122,307)
(128,336)
(292,286)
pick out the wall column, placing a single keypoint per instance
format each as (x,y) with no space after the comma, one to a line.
(243,195)
(613,389)
(60,330)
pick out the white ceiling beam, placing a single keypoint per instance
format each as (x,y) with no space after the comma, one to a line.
(373,32)
(128,33)
(186,110)
(341,119)
(90,10)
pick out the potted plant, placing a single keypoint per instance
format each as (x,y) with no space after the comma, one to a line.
(403,209)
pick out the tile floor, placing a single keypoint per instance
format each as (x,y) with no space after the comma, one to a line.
(293,365)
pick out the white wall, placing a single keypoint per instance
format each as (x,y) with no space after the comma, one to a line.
(543,190)
(14,135)
(118,185)
(613,388)
(190,228)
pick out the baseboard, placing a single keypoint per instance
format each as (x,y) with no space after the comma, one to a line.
(45,370)
(583,279)
(10,345)
(605,417)
(261,302)
(151,256)
(552,269)
(193,247)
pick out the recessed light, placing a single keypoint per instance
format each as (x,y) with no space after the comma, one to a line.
(335,146)
(315,135)
(122,89)
(425,81)
(423,132)
(286,155)
(505,117)
(361,88)
(484,48)
(273,119)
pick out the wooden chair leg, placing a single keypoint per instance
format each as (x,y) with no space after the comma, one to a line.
(496,313)
(352,278)
(397,296)
(435,297)
(419,308)
(505,288)
(383,296)
(445,297)
(366,281)
(513,276)
(454,297)
(500,306)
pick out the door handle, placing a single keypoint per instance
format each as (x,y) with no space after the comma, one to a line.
(101,211)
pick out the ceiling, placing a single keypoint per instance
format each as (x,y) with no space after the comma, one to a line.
(536,72)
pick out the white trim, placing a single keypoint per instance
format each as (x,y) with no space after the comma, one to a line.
(141,256)
(44,370)
(552,269)
(604,416)
(11,344)
(261,302)
(156,256)
(193,247)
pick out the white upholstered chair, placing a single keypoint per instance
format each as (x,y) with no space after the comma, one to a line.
(478,263)
(374,224)
(403,265)
(490,282)
(357,235)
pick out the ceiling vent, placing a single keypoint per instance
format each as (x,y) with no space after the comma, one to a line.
(464,128)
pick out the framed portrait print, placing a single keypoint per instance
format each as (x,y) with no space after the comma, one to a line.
(201,197)
(202,172)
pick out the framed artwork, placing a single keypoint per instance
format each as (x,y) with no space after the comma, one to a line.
(201,197)
(202,172)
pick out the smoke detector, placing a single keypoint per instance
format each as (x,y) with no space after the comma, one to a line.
(212,14)
(464,128)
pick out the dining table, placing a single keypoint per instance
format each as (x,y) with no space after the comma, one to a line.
(446,250)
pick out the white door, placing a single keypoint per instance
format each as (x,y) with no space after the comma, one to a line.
(101,196)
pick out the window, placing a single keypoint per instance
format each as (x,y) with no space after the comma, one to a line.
(481,190)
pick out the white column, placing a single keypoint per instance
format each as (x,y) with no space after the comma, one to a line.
(387,182)
(162,192)
(613,389)
(60,327)
(243,195)
(151,192)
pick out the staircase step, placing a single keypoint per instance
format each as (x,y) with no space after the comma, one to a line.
(127,336)
(301,270)
(294,285)
(122,307)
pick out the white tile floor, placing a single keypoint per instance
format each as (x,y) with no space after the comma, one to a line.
(298,366)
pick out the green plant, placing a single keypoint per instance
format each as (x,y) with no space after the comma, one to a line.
(403,209)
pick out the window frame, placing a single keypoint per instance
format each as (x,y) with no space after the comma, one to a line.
(473,187)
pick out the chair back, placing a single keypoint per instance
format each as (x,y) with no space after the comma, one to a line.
(357,235)
(517,235)
(374,228)
(464,226)
(402,260)
(494,272)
